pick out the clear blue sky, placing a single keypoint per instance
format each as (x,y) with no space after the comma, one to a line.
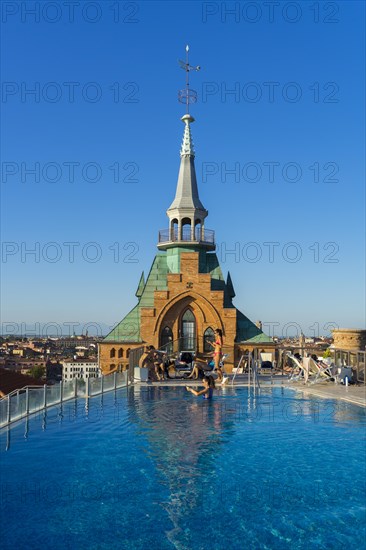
(297,110)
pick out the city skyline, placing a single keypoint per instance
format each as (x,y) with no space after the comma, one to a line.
(279,158)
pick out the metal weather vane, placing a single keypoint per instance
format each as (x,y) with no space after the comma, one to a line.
(187,95)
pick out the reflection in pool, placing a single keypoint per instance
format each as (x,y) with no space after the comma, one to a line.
(154,467)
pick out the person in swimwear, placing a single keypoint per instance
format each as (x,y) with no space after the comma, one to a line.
(217,354)
(200,367)
(158,360)
(207,392)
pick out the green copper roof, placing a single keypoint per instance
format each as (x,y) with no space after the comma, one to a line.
(128,330)
(247,331)
(259,339)
(141,286)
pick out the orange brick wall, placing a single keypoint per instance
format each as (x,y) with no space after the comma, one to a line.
(109,364)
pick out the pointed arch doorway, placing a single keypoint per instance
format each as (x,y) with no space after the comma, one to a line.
(188,331)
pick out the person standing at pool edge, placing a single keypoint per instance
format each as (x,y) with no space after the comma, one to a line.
(207,392)
(217,345)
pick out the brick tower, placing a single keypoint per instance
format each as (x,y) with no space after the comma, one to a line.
(185,296)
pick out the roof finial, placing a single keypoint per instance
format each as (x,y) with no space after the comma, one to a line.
(187,149)
(187,95)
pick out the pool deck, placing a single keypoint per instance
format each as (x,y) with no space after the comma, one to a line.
(325,390)
(351,394)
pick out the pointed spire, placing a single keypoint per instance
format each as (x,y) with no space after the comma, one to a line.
(187,149)
(186,195)
(141,286)
(230,286)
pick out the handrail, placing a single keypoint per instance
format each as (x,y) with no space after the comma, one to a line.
(174,346)
(206,236)
(253,377)
(24,388)
(45,399)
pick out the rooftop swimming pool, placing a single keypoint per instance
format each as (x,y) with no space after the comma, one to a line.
(156,468)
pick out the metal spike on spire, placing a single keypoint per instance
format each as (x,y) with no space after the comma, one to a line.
(187,95)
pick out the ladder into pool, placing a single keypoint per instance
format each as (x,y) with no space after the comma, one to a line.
(253,378)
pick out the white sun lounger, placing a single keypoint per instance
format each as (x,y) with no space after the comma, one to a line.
(319,372)
(294,377)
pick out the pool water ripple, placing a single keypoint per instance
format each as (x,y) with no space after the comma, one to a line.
(154,467)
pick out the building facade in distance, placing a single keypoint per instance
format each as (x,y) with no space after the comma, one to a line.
(185,296)
(79,368)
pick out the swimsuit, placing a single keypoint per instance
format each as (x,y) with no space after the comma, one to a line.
(209,395)
(217,343)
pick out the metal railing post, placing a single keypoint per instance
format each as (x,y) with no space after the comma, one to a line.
(102,384)
(44,396)
(86,388)
(249,367)
(27,400)
(115,380)
(8,410)
(61,391)
(76,387)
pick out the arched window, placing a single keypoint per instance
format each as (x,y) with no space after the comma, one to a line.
(174,230)
(208,336)
(112,353)
(186,229)
(166,339)
(120,353)
(128,353)
(188,331)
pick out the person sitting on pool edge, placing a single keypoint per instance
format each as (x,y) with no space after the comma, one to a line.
(200,367)
(207,392)
(206,368)
(158,360)
(147,361)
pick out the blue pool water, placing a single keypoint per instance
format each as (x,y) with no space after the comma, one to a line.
(156,468)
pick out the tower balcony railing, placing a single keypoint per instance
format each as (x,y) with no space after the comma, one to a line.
(201,236)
